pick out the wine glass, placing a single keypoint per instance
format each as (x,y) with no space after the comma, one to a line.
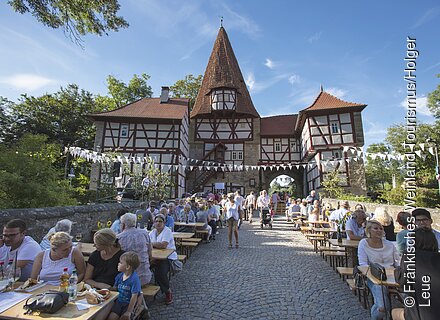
(78,237)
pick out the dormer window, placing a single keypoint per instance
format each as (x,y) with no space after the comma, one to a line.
(223,99)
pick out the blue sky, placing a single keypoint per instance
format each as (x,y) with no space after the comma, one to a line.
(286,50)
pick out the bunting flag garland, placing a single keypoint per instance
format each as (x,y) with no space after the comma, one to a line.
(185,163)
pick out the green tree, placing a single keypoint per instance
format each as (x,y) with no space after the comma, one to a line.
(187,88)
(331,185)
(6,121)
(120,94)
(434,101)
(28,178)
(77,18)
(60,116)
(396,135)
(379,172)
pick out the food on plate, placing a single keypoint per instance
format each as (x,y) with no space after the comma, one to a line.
(80,286)
(29,283)
(91,298)
(96,296)
(104,293)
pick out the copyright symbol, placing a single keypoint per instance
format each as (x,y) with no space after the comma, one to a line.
(409,301)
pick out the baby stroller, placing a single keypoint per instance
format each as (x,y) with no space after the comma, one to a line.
(266,217)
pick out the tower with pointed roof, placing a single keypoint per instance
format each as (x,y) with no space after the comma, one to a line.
(225,125)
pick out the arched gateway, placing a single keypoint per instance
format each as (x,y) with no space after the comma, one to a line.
(224,144)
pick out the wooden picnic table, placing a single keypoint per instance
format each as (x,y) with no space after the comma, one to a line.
(69,311)
(86,248)
(183,235)
(350,247)
(318,223)
(160,254)
(323,230)
(189,224)
(389,282)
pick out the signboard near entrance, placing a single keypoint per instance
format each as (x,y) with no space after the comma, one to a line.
(219,186)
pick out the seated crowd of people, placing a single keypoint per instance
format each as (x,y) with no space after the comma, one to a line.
(123,255)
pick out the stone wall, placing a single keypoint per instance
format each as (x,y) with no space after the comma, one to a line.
(392,210)
(85,218)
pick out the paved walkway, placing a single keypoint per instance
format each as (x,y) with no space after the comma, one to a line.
(273,275)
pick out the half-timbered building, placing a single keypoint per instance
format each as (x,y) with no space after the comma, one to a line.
(151,127)
(225,130)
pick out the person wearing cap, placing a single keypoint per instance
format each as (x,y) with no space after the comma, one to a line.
(423,220)
(64,225)
(162,238)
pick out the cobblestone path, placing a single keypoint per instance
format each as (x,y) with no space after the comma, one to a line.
(274,274)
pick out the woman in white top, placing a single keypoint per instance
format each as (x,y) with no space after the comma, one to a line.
(162,238)
(232,216)
(376,249)
(49,264)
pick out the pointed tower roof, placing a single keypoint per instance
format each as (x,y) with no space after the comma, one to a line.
(223,71)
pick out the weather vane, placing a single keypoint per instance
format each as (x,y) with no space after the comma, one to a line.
(221,21)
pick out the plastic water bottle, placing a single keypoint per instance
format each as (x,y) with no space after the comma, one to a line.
(2,270)
(10,274)
(64,281)
(73,281)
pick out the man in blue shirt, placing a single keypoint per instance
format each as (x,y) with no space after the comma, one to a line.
(354,226)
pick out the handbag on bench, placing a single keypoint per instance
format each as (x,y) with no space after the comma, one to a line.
(378,271)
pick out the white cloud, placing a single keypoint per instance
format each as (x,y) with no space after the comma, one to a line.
(376,132)
(242,23)
(421,105)
(294,79)
(339,93)
(315,37)
(257,86)
(426,17)
(269,63)
(29,82)
(250,81)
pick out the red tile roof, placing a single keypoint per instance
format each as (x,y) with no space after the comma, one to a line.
(223,71)
(326,101)
(175,108)
(278,125)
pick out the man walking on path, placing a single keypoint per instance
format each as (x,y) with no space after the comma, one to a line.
(274,201)
(250,205)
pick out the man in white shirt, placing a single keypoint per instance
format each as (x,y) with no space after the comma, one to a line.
(263,201)
(250,204)
(17,246)
(240,201)
(338,215)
